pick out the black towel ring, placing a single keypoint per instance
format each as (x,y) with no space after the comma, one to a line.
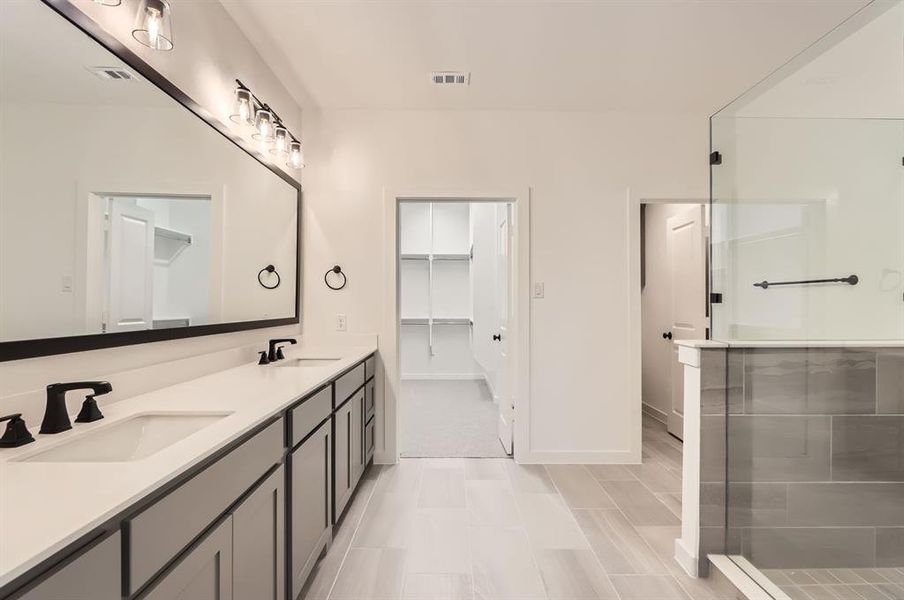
(338,271)
(269,269)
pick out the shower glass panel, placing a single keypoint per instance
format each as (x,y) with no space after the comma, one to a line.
(807,267)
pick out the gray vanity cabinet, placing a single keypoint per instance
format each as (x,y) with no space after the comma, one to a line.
(258,538)
(342,464)
(356,457)
(92,574)
(203,573)
(310,465)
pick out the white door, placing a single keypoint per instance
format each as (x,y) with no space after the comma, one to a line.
(504,372)
(687,265)
(130,295)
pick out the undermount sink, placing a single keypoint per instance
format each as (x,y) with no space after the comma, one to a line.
(306,362)
(132,439)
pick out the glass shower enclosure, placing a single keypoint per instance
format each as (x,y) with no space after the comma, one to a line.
(807,275)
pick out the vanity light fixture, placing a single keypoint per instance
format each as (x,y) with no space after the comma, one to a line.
(154,25)
(243,112)
(296,158)
(269,129)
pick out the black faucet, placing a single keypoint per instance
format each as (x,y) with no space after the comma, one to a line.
(56,418)
(274,355)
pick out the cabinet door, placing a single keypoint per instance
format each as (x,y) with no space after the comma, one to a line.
(342,463)
(356,455)
(311,487)
(93,574)
(259,542)
(204,573)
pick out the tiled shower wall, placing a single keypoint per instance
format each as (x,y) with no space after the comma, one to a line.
(815,455)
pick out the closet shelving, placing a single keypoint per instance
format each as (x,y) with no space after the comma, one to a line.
(436,263)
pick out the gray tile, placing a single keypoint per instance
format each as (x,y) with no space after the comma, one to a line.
(370,574)
(439,542)
(490,502)
(574,575)
(890,383)
(388,522)
(672,502)
(610,473)
(438,586)
(812,381)
(657,477)
(548,522)
(638,504)
(890,547)
(868,448)
(778,448)
(757,504)
(485,468)
(648,587)
(845,504)
(617,544)
(530,478)
(442,488)
(503,566)
(722,381)
(713,452)
(892,590)
(810,547)
(578,487)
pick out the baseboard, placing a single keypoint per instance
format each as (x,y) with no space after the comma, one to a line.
(684,558)
(579,458)
(652,411)
(443,376)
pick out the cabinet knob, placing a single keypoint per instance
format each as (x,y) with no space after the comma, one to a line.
(497,337)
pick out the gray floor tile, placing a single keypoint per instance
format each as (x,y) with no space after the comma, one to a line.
(503,566)
(370,574)
(638,503)
(438,586)
(610,473)
(439,542)
(578,487)
(574,575)
(490,502)
(442,488)
(485,468)
(548,522)
(648,587)
(657,477)
(617,544)
(530,478)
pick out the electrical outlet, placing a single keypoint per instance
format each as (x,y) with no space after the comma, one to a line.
(66,284)
(341,322)
(539,289)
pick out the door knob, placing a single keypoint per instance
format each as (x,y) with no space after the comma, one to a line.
(667,335)
(497,337)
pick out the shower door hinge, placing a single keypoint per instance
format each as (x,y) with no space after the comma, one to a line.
(715,158)
(715,298)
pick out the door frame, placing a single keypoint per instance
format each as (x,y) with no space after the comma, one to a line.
(635,315)
(389,447)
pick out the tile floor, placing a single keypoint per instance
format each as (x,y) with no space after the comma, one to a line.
(840,584)
(488,529)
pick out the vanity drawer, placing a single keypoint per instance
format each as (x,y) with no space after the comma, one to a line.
(348,384)
(312,412)
(370,367)
(369,442)
(159,533)
(370,399)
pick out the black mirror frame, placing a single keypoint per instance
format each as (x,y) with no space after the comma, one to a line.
(22,349)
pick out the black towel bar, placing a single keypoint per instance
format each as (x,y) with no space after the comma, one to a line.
(850,279)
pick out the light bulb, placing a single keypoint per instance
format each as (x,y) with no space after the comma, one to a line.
(243,109)
(280,140)
(264,126)
(153,25)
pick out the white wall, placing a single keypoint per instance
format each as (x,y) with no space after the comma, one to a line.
(579,167)
(210,51)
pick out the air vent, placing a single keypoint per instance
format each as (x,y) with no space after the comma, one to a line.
(450,78)
(111,73)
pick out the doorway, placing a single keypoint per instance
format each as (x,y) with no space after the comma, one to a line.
(673,279)
(455,320)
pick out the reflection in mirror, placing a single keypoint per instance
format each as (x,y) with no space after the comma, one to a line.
(120,209)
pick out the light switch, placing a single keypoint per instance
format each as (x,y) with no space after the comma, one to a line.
(340,322)
(539,290)
(66,285)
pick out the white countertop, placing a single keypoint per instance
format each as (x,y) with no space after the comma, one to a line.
(46,506)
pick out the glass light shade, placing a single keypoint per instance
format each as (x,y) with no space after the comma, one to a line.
(243,109)
(296,158)
(280,140)
(154,25)
(264,123)
(108,2)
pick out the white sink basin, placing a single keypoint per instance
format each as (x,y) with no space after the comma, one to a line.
(306,362)
(128,440)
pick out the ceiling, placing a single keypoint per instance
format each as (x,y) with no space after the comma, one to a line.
(602,55)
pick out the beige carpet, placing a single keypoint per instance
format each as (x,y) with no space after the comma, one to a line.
(445,419)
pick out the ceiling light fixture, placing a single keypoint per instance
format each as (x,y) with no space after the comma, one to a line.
(154,25)
(269,129)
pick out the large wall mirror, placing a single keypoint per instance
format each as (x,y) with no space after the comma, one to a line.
(126,217)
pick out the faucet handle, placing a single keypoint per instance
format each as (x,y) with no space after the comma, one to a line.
(279,353)
(16,433)
(263,360)
(90,411)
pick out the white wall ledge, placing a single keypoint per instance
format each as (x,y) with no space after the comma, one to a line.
(708,344)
